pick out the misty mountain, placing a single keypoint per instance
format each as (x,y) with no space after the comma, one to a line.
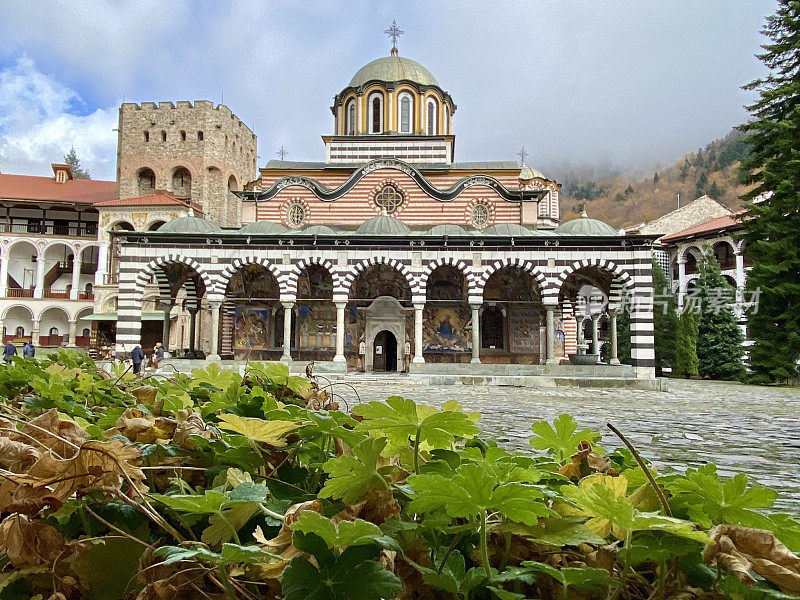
(623,197)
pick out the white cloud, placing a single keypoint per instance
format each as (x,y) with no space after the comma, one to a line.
(40,120)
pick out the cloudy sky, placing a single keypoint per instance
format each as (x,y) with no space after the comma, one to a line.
(597,83)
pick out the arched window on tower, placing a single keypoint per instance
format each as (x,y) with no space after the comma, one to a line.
(350,118)
(376,113)
(432,110)
(163,136)
(406,113)
(446,125)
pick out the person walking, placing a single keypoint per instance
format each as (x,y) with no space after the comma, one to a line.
(29,350)
(9,351)
(137,356)
(158,354)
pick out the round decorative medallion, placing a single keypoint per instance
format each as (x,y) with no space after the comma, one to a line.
(295,215)
(480,215)
(389,198)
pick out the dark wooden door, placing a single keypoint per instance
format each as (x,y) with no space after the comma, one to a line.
(379,352)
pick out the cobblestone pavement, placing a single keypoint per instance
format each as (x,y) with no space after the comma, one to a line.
(740,428)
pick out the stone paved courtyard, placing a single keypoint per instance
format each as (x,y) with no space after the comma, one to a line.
(738,427)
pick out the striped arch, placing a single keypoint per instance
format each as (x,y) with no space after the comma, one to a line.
(549,296)
(349,278)
(154,269)
(240,263)
(459,265)
(693,248)
(50,244)
(297,270)
(601,263)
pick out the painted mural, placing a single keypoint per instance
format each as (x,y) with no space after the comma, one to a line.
(252,328)
(381,280)
(317,326)
(511,284)
(523,330)
(445,329)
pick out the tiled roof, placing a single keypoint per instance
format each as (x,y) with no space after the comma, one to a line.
(708,226)
(82,191)
(157,199)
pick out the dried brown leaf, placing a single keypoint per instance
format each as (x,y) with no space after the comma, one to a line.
(61,436)
(29,543)
(744,549)
(95,464)
(190,423)
(17,457)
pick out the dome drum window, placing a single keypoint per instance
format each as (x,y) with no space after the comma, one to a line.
(389,198)
(295,215)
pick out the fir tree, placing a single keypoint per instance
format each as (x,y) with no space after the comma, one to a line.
(702,181)
(655,178)
(71,158)
(719,338)
(686,345)
(665,319)
(715,191)
(684,169)
(772,227)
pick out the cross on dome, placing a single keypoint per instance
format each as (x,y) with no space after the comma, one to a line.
(523,154)
(394,32)
(282,152)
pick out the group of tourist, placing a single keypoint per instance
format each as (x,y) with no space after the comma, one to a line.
(138,356)
(28,351)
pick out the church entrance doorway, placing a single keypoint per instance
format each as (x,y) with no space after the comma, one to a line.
(385,352)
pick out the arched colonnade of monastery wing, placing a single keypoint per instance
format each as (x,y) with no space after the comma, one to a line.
(271,289)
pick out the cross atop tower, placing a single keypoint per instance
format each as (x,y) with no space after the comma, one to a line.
(394,32)
(523,154)
(282,152)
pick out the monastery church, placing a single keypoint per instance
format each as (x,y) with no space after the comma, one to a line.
(387,256)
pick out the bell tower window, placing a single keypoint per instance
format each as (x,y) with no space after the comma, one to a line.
(351,118)
(376,113)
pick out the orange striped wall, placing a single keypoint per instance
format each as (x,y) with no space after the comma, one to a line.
(418,208)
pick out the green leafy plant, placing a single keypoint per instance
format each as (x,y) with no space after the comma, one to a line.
(561,439)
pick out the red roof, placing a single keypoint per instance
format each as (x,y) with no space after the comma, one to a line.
(708,226)
(157,199)
(81,191)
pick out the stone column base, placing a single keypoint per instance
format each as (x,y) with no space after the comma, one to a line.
(339,358)
(614,361)
(212,358)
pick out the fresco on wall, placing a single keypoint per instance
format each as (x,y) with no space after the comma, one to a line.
(354,328)
(446,283)
(523,329)
(381,280)
(252,281)
(445,329)
(511,284)
(315,282)
(252,328)
(558,337)
(317,326)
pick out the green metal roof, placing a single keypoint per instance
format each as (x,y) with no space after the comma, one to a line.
(318,230)
(383,225)
(585,226)
(507,229)
(263,228)
(189,225)
(447,229)
(391,69)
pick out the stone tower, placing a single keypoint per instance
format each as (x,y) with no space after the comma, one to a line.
(190,150)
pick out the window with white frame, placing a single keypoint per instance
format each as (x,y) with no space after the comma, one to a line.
(432,112)
(406,112)
(295,215)
(350,118)
(376,113)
